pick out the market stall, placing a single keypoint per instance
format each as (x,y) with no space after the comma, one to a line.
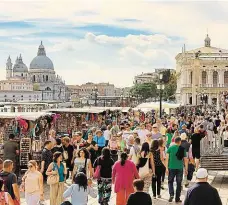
(30,130)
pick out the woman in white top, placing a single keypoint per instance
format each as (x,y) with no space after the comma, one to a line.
(33,184)
(83,164)
(134,151)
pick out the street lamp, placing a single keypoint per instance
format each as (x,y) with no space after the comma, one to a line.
(95,92)
(160,87)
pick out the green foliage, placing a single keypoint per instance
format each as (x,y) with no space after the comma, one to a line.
(144,91)
(170,88)
(149,90)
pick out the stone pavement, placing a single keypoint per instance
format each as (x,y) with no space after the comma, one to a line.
(218,179)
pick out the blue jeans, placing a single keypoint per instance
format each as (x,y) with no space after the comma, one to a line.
(178,173)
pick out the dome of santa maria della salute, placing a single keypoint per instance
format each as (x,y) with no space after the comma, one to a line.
(41,61)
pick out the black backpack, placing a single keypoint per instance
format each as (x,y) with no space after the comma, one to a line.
(180,153)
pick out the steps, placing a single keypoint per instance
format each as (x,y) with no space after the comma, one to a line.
(218,163)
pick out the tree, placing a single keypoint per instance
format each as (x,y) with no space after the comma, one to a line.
(170,87)
(144,91)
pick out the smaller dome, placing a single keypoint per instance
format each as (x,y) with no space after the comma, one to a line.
(19,66)
(207,41)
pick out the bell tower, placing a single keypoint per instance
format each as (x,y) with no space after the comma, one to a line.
(9,70)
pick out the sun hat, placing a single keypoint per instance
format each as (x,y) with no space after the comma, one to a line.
(201,173)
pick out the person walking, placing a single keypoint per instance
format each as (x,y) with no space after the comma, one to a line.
(5,197)
(159,167)
(100,140)
(202,192)
(80,190)
(123,174)
(174,168)
(33,184)
(10,181)
(11,151)
(145,166)
(68,155)
(83,163)
(139,197)
(57,167)
(105,181)
(134,151)
(92,147)
(46,158)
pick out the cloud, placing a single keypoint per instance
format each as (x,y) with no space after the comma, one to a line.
(104,40)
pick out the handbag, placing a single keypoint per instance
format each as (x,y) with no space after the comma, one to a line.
(65,155)
(97,173)
(144,171)
(54,178)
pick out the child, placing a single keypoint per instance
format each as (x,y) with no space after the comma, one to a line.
(139,197)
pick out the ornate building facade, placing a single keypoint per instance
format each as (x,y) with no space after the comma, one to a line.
(202,74)
(40,79)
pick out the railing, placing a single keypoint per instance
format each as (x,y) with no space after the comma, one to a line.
(214,147)
(215,85)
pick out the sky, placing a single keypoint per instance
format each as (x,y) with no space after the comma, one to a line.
(110,40)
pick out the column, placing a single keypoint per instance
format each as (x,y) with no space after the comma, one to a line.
(210,78)
(221,78)
(200,78)
(209,99)
(187,77)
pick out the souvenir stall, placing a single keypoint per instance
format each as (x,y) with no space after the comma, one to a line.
(73,119)
(33,132)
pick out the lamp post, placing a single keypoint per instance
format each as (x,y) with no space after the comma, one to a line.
(95,92)
(160,87)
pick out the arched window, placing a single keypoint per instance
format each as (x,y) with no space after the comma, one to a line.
(226,78)
(22,75)
(43,78)
(34,78)
(190,80)
(46,77)
(204,77)
(215,79)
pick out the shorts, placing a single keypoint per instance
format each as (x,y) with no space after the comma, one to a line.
(196,154)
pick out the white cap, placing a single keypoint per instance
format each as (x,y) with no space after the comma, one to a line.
(201,173)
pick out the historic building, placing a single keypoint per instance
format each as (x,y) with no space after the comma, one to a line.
(148,77)
(38,83)
(202,74)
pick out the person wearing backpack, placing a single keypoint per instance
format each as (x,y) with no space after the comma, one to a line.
(5,198)
(174,168)
(10,181)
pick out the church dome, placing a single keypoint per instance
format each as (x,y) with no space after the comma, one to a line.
(41,61)
(19,66)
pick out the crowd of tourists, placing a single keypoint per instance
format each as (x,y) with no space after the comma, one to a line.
(132,156)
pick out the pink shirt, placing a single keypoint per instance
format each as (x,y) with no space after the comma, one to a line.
(123,176)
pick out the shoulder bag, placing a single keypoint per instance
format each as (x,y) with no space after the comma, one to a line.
(97,173)
(144,171)
(54,178)
(65,154)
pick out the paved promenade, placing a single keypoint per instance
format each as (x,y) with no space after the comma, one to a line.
(218,179)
